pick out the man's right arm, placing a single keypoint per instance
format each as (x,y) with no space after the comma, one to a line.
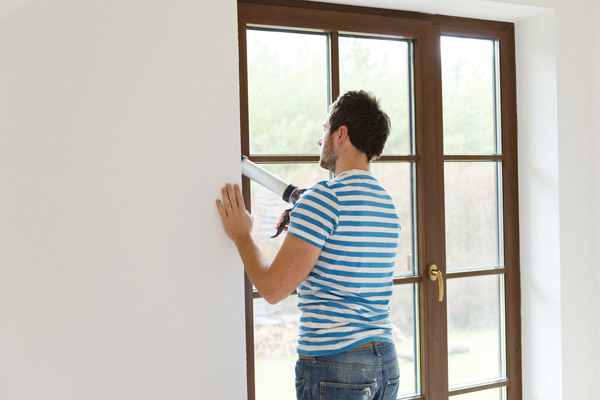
(292,264)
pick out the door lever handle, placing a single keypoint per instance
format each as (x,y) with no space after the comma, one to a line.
(435,274)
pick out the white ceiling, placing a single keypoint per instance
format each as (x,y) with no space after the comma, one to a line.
(501,10)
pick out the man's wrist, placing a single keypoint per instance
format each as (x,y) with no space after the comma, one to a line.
(243,240)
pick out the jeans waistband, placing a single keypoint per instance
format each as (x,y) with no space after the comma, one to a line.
(362,346)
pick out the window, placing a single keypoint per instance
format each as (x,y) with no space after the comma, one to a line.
(448,85)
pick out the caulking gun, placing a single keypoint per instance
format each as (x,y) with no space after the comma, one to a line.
(288,192)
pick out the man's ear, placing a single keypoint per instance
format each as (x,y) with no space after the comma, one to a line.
(342,134)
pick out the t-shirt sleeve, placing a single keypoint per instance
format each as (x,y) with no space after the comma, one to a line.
(315,216)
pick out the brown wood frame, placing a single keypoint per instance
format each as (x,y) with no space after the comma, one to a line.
(425,31)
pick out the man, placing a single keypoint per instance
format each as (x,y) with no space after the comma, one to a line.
(339,253)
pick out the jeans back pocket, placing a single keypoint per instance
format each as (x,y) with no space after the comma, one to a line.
(391,389)
(347,391)
(301,389)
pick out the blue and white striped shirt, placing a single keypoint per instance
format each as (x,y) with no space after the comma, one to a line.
(345,299)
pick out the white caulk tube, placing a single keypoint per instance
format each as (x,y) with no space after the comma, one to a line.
(267,179)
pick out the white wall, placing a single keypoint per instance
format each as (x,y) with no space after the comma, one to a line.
(578,162)
(596,136)
(558,104)
(538,201)
(7,7)
(118,124)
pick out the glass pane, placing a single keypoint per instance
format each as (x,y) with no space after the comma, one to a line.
(400,181)
(383,67)
(275,339)
(287,91)
(474,229)
(475,329)
(469,93)
(490,394)
(268,207)
(404,308)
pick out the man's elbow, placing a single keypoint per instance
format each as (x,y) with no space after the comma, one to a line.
(274,296)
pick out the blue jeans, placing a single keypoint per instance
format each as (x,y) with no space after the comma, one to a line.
(369,373)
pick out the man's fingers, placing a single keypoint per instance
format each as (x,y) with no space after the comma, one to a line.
(238,196)
(232,199)
(226,201)
(221,210)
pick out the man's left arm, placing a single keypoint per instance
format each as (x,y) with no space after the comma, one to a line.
(292,264)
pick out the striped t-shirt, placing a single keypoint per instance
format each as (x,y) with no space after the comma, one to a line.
(345,299)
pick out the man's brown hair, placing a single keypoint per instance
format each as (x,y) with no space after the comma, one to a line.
(368,125)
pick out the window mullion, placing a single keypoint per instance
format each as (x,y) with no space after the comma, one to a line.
(334,66)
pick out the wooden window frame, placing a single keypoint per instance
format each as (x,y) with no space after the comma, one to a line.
(425,31)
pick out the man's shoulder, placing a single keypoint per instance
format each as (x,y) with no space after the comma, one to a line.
(323,190)
(359,183)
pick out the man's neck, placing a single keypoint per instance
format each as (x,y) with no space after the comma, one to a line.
(347,165)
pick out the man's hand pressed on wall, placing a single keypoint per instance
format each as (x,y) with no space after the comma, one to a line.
(237,221)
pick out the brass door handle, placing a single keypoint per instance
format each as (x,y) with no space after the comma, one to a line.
(435,274)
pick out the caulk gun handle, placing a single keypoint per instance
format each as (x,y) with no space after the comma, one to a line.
(284,223)
(293,196)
